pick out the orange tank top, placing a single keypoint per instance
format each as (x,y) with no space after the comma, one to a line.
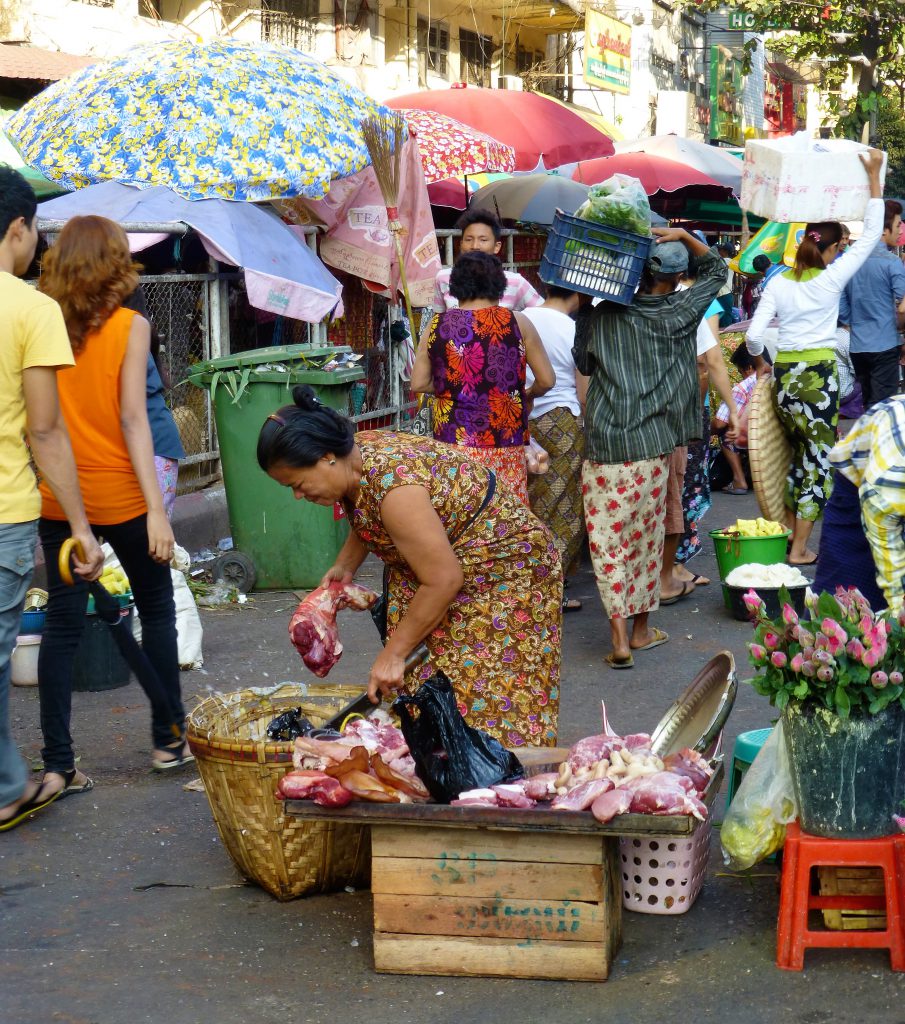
(90,400)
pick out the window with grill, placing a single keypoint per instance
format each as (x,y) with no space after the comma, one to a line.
(526,59)
(290,22)
(433,49)
(476,57)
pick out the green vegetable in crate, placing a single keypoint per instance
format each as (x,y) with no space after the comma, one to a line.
(619,202)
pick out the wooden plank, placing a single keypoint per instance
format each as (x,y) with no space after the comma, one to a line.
(540,819)
(484,844)
(501,958)
(849,881)
(491,917)
(410,876)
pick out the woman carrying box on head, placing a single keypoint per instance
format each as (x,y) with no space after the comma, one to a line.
(805,299)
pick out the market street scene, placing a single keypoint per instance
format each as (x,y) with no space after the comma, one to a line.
(452,534)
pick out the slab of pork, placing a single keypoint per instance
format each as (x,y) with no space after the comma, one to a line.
(312,627)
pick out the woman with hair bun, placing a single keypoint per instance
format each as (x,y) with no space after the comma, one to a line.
(89,271)
(470,571)
(806,301)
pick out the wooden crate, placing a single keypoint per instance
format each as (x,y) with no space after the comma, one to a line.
(847,881)
(495,903)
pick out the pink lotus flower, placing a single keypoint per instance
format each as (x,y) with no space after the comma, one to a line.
(758,652)
(809,669)
(797,662)
(895,678)
(870,658)
(779,659)
(825,674)
(808,653)
(805,638)
(823,658)
(753,603)
(878,680)
(789,615)
(771,641)
(822,643)
(810,600)
(835,645)
(854,649)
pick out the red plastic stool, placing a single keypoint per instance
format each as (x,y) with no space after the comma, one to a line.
(803,852)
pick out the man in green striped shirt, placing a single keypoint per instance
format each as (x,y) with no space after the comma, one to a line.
(643,402)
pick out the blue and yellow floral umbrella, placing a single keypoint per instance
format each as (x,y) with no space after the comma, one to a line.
(244,121)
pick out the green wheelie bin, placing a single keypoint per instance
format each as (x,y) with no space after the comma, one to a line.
(278,543)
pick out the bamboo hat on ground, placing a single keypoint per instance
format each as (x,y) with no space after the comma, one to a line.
(769,452)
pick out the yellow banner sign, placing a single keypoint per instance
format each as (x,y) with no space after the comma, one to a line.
(607,52)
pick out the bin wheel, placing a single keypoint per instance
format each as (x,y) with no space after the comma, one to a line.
(236,570)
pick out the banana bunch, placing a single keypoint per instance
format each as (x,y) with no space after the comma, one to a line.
(114,581)
(756,528)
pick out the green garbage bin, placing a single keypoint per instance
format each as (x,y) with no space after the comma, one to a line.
(278,542)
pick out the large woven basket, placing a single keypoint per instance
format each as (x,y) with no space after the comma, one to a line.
(240,769)
(769,452)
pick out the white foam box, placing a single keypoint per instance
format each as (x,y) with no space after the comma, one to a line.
(797,178)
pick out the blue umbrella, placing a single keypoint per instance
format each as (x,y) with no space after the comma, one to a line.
(221,119)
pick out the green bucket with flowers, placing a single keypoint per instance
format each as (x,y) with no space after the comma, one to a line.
(838,676)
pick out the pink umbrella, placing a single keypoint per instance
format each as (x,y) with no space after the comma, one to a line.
(656,174)
(451,149)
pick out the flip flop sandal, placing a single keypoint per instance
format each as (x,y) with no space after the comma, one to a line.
(29,808)
(615,662)
(70,788)
(177,761)
(698,581)
(736,490)
(685,591)
(660,637)
(571,604)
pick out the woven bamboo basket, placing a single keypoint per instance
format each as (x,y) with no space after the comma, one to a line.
(240,769)
(769,452)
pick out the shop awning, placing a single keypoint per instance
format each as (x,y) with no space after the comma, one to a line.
(37,65)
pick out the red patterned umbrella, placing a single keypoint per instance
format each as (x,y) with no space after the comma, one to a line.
(451,149)
(537,128)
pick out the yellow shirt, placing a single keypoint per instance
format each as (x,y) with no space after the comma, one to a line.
(32,333)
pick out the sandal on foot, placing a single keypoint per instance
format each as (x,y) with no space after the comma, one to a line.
(70,786)
(179,756)
(735,490)
(660,637)
(615,662)
(571,604)
(29,807)
(684,592)
(698,580)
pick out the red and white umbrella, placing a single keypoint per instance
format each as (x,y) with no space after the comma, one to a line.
(656,174)
(451,149)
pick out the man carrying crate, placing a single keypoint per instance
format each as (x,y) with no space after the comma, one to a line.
(643,403)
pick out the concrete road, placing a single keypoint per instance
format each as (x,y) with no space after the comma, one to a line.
(120,906)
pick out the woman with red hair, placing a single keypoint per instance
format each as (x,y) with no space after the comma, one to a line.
(89,271)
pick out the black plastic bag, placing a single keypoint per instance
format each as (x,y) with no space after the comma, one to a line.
(289,725)
(450,756)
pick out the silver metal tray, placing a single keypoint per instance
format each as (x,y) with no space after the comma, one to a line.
(699,714)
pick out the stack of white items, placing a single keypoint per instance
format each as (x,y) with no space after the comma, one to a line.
(753,574)
(798,178)
(189,632)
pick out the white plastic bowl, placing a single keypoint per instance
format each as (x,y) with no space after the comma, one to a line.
(23,664)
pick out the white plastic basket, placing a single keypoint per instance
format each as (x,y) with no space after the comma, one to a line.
(664,874)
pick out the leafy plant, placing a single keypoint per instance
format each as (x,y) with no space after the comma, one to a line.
(842,656)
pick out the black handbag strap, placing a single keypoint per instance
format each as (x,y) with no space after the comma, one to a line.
(488,497)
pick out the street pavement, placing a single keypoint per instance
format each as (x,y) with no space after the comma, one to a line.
(120,906)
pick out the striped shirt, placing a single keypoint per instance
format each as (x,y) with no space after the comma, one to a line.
(643,395)
(872,456)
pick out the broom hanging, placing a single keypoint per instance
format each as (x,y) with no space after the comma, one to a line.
(384,136)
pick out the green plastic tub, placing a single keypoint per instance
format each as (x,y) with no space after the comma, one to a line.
(731,552)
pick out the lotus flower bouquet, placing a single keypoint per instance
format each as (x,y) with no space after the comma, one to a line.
(842,656)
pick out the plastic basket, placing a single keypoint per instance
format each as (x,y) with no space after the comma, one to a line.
(664,874)
(588,257)
(732,551)
(240,769)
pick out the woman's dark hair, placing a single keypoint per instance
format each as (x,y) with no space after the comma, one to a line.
(555,291)
(742,359)
(761,263)
(817,239)
(477,275)
(481,216)
(300,435)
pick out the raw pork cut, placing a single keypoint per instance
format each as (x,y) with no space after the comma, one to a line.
(512,794)
(582,796)
(609,805)
(312,627)
(691,765)
(665,793)
(476,798)
(316,786)
(541,787)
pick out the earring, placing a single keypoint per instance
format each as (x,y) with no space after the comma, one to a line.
(333,462)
